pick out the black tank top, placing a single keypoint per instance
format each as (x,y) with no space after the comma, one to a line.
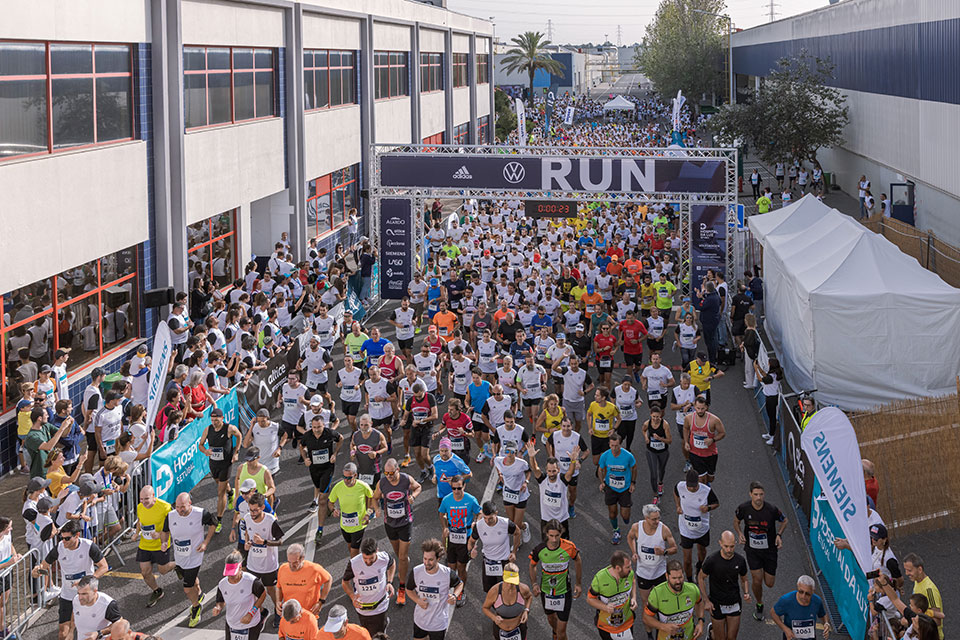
(220,439)
(656,445)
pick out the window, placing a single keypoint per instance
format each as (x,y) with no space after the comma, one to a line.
(57,96)
(329,78)
(91,309)
(222,85)
(483,130)
(436,138)
(460,69)
(431,72)
(461,133)
(212,249)
(483,68)
(390,74)
(330,198)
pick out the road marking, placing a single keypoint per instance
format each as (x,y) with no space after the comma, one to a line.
(491,486)
(124,574)
(209,596)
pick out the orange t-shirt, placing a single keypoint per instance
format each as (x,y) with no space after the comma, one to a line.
(614,268)
(591,302)
(303,629)
(304,585)
(633,266)
(446,321)
(354,632)
(498,316)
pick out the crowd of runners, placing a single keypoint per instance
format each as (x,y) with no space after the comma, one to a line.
(537,347)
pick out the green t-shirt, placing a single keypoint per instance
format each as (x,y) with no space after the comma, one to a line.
(354,345)
(597,320)
(554,566)
(674,608)
(353,504)
(452,251)
(664,294)
(38,458)
(609,590)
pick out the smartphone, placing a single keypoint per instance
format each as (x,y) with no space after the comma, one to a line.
(872,575)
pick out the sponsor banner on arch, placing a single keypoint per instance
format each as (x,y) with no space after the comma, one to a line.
(396,255)
(554,173)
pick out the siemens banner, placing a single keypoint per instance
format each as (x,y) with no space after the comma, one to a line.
(708,243)
(839,566)
(554,173)
(396,255)
(179,466)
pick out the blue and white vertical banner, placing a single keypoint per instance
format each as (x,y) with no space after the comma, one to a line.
(830,443)
(521,122)
(396,256)
(159,363)
(179,466)
(569,114)
(839,567)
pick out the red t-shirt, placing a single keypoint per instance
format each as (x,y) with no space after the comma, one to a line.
(633,334)
(615,251)
(603,345)
(456,428)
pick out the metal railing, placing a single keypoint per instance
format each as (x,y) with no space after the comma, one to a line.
(23,595)
(116,515)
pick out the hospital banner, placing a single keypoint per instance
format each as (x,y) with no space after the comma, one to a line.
(831,446)
(159,364)
(179,465)
(838,566)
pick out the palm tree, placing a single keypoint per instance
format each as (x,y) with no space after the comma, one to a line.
(530,54)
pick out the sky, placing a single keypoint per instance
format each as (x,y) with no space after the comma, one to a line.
(581,21)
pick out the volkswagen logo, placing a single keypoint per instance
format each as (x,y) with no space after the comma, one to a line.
(514,172)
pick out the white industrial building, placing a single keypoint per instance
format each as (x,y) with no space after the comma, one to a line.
(896,62)
(141,139)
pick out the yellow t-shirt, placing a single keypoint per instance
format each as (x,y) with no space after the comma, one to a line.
(57,478)
(602,418)
(927,588)
(552,422)
(151,524)
(647,296)
(698,375)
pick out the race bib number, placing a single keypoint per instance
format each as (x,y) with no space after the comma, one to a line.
(654,395)
(730,609)
(758,541)
(564,464)
(552,498)
(551,603)
(694,523)
(181,547)
(803,629)
(457,537)
(606,361)
(699,442)
(492,568)
(239,634)
(366,477)
(443,331)
(601,426)
(511,496)
(456,444)
(657,445)
(320,457)
(350,519)
(148,532)
(626,634)
(258,551)
(396,510)
(376,406)
(648,555)
(216,454)
(617,482)
(110,446)
(513,634)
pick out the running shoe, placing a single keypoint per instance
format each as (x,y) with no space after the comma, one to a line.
(194,616)
(424,475)
(200,599)
(656,500)
(616,537)
(758,613)
(219,527)
(462,600)
(230,500)
(572,512)
(317,538)
(407,461)
(481,456)
(401,596)
(154,598)
(526,535)
(687,466)
(313,506)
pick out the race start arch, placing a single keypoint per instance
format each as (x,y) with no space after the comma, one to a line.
(701,183)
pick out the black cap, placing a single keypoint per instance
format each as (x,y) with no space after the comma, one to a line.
(252,453)
(97,372)
(216,412)
(878,531)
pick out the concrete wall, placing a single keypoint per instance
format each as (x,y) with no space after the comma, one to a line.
(432,113)
(331,140)
(461,43)
(330,32)
(232,165)
(461,105)
(81,205)
(431,41)
(391,37)
(231,23)
(392,118)
(79,20)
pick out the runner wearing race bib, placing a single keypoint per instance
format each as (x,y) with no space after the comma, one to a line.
(567,446)
(613,594)
(694,501)
(458,511)
(318,450)
(191,529)
(762,534)
(394,496)
(727,571)
(675,608)
(604,419)
(554,556)
(797,612)
(432,588)
(618,468)
(367,581)
(353,505)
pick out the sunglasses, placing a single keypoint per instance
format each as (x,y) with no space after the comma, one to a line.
(390,474)
(457,488)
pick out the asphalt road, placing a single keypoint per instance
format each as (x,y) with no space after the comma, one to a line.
(627,84)
(743,458)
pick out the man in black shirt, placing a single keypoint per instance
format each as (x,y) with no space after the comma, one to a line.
(455,286)
(507,330)
(761,534)
(740,307)
(318,449)
(581,342)
(725,568)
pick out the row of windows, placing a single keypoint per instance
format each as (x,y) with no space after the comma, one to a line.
(390,73)
(460,69)
(431,72)
(89,310)
(330,198)
(227,84)
(329,78)
(63,96)
(212,249)
(483,130)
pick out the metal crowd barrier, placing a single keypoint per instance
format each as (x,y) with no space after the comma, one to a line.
(21,597)
(124,506)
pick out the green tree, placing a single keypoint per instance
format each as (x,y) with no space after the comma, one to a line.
(506,117)
(530,55)
(793,115)
(683,49)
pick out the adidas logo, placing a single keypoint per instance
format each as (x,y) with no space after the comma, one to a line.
(462,174)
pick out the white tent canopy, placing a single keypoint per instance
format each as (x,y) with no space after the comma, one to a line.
(619,103)
(850,314)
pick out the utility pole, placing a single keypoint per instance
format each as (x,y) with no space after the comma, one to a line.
(550,30)
(772,6)
(619,36)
